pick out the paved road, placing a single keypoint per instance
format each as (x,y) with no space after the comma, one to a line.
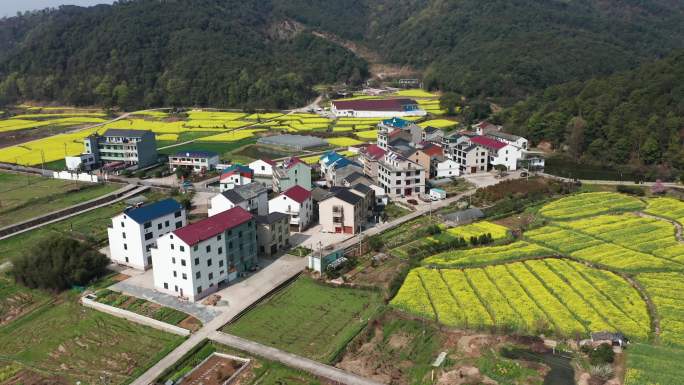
(291,360)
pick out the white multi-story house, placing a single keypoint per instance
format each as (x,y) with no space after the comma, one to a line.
(197,161)
(472,158)
(295,202)
(134,232)
(263,171)
(235,175)
(500,153)
(193,261)
(447,169)
(252,197)
(342,212)
(399,176)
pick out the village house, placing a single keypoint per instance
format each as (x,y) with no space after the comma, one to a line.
(432,134)
(291,172)
(263,171)
(297,203)
(273,233)
(447,169)
(193,261)
(196,161)
(376,108)
(341,212)
(401,177)
(369,158)
(252,197)
(235,175)
(135,231)
(117,146)
(500,153)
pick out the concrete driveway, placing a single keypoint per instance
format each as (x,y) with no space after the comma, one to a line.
(314,237)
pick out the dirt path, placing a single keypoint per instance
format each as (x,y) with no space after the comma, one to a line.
(378,68)
(679,233)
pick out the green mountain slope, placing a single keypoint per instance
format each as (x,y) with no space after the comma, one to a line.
(147,53)
(635,117)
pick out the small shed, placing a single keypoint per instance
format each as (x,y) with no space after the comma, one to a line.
(437,193)
(615,339)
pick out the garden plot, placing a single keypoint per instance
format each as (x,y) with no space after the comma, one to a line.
(588,204)
(309,319)
(533,296)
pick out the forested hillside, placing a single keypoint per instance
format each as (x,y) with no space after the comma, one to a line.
(635,117)
(147,53)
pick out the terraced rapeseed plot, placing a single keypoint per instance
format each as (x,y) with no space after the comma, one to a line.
(479,228)
(587,204)
(670,208)
(487,255)
(343,142)
(665,289)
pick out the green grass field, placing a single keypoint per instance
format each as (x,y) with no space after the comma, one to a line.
(24,197)
(15,300)
(654,365)
(64,339)
(309,319)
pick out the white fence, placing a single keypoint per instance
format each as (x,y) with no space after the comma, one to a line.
(81,177)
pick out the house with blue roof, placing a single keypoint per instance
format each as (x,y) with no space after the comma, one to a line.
(135,231)
(335,167)
(197,161)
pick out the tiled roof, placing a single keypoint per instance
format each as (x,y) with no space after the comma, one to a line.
(396,122)
(330,157)
(237,168)
(213,226)
(488,142)
(298,193)
(292,161)
(233,196)
(344,194)
(374,104)
(374,151)
(195,154)
(271,218)
(433,150)
(126,133)
(244,192)
(154,210)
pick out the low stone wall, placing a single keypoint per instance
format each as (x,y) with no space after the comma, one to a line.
(134,317)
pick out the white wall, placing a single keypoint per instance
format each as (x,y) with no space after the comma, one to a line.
(507,156)
(447,169)
(300,215)
(81,177)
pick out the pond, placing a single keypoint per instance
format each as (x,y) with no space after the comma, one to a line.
(562,371)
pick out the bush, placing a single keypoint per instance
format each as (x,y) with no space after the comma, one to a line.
(376,243)
(601,355)
(59,263)
(631,190)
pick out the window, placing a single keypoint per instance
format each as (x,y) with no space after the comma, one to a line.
(230,245)
(208,248)
(218,237)
(173,260)
(211,276)
(175,274)
(220,250)
(182,248)
(147,225)
(179,224)
(122,224)
(159,226)
(185,276)
(166,224)
(166,285)
(221,263)
(177,214)
(196,261)
(148,236)
(208,262)
(195,248)
(125,246)
(123,235)
(199,289)
(182,262)
(198,275)
(172,246)
(175,288)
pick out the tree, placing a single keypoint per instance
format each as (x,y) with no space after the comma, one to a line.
(448,102)
(58,263)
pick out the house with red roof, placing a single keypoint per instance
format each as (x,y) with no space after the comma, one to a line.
(376,108)
(369,158)
(291,172)
(500,153)
(235,175)
(296,202)
(193,261)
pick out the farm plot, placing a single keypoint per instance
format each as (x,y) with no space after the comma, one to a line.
(438,123)
(143,307)
(65,339)
(665,289)
(481,256)
(232,136)
(478,228)
(653,365)
(588,204)
(533,296)
(627,242)
(26,196)
(309,319)
(17,124)
(15,300)
(343,142)
(670,208)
